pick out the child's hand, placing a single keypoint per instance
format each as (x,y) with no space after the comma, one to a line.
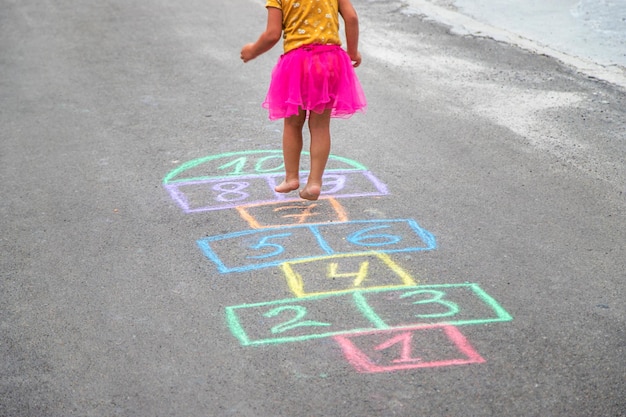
(268,38)
(356,59)
(247,52)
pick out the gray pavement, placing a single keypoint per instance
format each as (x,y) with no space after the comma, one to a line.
(471,264)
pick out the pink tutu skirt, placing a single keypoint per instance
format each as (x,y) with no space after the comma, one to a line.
(314,78)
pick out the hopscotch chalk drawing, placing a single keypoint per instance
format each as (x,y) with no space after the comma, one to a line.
(392,308)
(440,345)
(388,322)
(271,247)
(229,180)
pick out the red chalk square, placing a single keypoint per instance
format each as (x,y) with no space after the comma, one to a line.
(408,348)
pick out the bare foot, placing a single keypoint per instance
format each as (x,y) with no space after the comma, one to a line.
(287,186)
(310,192)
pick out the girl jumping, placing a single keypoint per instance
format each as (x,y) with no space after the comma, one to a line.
(314,79)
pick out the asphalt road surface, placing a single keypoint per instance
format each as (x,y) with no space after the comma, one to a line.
(468,257)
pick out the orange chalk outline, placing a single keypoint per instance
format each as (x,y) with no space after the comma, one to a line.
(255,224)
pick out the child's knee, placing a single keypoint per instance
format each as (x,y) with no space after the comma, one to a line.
(319,120)
(296,121)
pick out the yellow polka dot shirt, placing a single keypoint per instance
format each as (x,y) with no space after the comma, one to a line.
(308,21)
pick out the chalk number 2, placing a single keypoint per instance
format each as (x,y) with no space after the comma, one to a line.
(295,321)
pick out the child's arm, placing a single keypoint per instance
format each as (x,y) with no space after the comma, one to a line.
(268,39)
(351,21)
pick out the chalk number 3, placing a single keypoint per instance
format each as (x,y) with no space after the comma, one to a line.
(437,298)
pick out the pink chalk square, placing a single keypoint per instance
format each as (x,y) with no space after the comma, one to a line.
(407,348)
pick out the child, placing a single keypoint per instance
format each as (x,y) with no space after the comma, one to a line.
(314,79)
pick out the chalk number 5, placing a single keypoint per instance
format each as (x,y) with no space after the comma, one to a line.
(264,243)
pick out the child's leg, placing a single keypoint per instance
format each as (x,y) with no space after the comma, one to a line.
(319,126)
(292,147)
